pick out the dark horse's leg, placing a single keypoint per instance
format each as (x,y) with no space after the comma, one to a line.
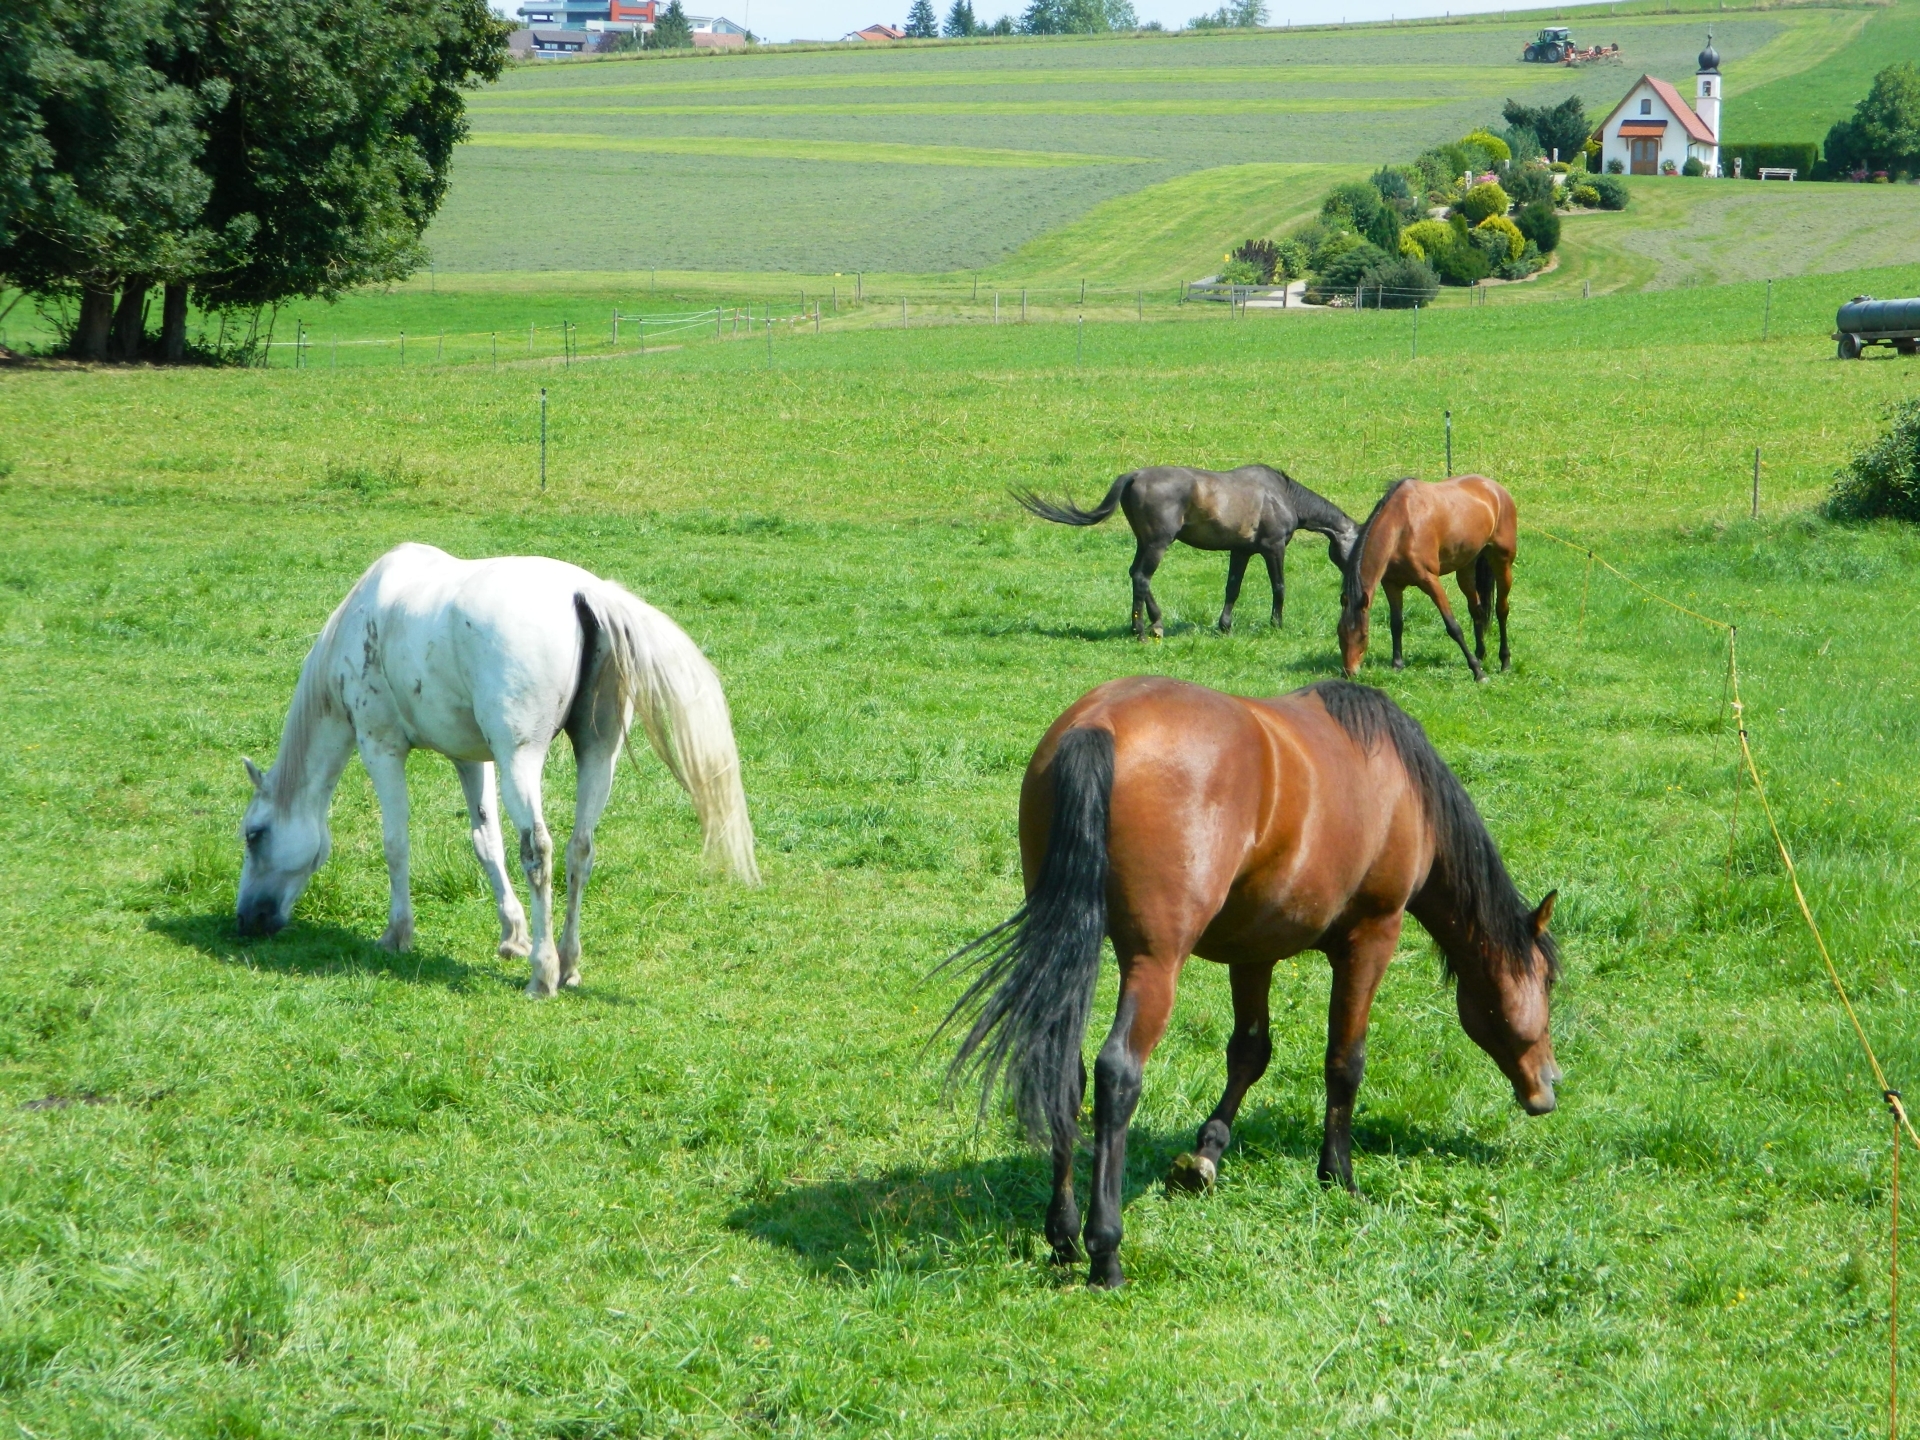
(1146,559)
(1476,588)
(1359,961)
(1063,1214)
(1236,572)
(1431,584)
(1248,1052)
(1276,558)
(1397,620)
(1146,998)
(1503,581)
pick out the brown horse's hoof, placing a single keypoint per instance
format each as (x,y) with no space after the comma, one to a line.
(1192,1174)
(1399,664)
(1104,1274)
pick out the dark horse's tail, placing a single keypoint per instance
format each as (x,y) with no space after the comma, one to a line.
(1070,513)
(1030,1001)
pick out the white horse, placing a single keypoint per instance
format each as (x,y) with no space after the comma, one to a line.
(486,661)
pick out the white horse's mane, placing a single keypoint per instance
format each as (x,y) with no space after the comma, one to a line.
(311,703)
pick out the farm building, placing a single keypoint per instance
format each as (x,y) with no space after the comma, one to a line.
(1652,131)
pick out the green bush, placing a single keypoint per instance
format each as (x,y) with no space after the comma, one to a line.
(1612,191)
(1483,200)
(1399,284)
(1528,183)
(1540,224)
(1240,272)
(1262,255)
(1883,481)
(1585,195)
(1332,248)
(1797,156)
(1291,260)
(1694,167)
(1356,203)
(1460,264)
(1396,190)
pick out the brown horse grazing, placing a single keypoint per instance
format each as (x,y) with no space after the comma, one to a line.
(1249,511)
(1417,535)
(1181,821)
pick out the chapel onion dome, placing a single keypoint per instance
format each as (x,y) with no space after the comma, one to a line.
(1709,57)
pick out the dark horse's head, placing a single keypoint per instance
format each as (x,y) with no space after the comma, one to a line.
(1493,944)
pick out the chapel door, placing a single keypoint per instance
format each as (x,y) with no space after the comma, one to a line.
(1646,156)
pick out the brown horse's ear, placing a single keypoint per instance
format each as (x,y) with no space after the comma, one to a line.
(1543,913)
(253,773)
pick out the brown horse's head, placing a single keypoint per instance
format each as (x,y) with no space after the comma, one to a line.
(1356,591)
(1503,1008)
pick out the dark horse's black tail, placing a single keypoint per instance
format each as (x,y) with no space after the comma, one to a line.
(1070,513)
(1037,969)
(1483,577)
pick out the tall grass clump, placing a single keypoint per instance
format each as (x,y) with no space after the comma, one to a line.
(1883,481)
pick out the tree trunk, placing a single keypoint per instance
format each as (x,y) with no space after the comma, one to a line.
(130,320)
(96,321)
(173,323)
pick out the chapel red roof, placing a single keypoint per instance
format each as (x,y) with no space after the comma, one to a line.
(1696,128)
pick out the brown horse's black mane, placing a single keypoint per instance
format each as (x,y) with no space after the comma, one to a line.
(1350,591)
(1469,862)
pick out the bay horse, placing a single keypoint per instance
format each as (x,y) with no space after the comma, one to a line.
(1180,821)
(486,661)
(1252,510)
(1419,534)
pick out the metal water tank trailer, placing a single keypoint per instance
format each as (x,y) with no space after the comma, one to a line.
(1865,321)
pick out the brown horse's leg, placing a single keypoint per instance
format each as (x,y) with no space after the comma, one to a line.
(1146,998)
(1397,621)
(1503,579)
(1146,560)
(1276,558)
(1248,1051)
(1359,961)
(1431,585)
(1236,572)
(1477,590)
(1063,1213)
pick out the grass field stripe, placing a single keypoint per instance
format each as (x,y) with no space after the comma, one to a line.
(845,152)
(1319,105)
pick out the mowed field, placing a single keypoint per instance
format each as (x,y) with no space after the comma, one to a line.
(301,1187)
(923,159)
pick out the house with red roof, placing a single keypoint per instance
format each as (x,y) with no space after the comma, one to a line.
(1653,131)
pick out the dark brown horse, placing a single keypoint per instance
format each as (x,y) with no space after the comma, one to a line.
(1180,821)
(1418,535)
(1249,511)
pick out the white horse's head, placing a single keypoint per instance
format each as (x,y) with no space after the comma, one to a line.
(283,849)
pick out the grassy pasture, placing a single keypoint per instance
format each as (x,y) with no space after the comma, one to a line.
(334,1192)
(755,163)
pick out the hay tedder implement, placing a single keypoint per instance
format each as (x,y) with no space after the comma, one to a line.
(1554,46)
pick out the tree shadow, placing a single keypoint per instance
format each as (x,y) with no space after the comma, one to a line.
(308,949)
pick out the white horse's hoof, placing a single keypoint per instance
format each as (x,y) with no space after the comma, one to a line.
(515,947)
(536,991)
(397,939)
(572,982)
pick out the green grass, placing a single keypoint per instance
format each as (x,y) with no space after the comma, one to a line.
(1805,105)
(330,1191)
(737,143)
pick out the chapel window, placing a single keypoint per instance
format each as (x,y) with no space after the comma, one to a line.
(1646,107)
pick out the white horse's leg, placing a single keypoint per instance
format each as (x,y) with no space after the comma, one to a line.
(387,767)
(594,762)
(483,820)
(520,794)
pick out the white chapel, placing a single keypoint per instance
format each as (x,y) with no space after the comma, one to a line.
(1653,129)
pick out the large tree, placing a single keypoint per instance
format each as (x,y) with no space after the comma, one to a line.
(961,21)
(1883,133)
(100,190)
(1563,127)
(253,151)
(922,23)
(672,31)
(1077,17)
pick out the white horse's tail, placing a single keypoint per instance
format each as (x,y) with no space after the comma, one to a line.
(677,696)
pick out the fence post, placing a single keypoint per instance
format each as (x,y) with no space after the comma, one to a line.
(403,349)
(1139,304)
(1449,473)
(496,349)
(1083,292)
(836,299)
(859,286)
(816,315)
(1586,289)
(1766,325)
(616,327)
(543,439)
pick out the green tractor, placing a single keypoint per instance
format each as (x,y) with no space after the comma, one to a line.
(1551,48)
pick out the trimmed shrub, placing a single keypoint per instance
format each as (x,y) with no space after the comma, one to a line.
(1614,167)
(1483,200)
(1508,231)
(1240,272)
(1883,481)
(1385,229)
(1540,225)
(1517,267)
(1395,189)
(1429,235)
(1497,149)
(1291,260)
(1399,284)
(1612,191)
(1460,265)
(1522,144)
(1355,202)
(1694,167)
(1262,255)
(1528,183)
(1585,195)
(1332,248)
(1344,271)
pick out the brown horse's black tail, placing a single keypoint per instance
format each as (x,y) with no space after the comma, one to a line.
(1071,514)
(1030,1001)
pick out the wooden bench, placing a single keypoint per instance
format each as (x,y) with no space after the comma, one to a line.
(1768,172)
